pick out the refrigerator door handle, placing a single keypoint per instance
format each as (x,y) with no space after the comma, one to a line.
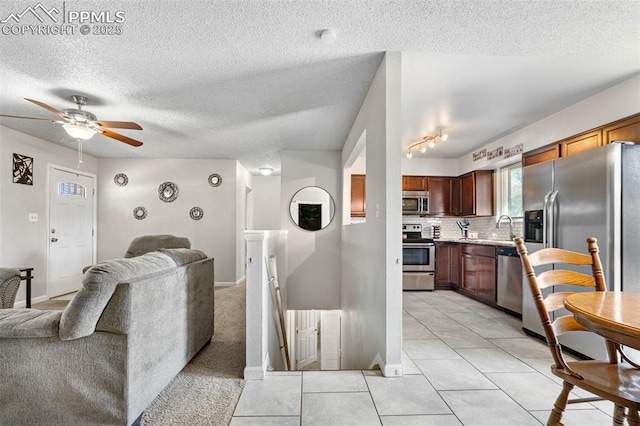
(545,215)
(553,240)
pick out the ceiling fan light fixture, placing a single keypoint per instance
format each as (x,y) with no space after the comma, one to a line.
(266,171)
(444,137)
(78,131)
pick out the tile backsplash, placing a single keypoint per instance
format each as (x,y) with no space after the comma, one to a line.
(484,226)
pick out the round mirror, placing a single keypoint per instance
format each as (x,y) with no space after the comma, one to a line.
(312,208)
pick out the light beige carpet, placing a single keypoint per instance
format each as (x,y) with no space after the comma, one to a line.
(207,390)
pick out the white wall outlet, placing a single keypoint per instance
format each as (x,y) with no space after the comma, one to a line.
(33,217)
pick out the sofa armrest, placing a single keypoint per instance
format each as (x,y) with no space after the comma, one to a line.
(29,323)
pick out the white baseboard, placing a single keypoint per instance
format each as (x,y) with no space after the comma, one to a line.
(254,373)
(34,300)
(392,370)
(388,370)
(229,283)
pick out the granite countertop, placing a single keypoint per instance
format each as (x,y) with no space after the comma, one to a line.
(479,241)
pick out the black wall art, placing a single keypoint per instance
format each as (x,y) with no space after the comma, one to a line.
(22,169)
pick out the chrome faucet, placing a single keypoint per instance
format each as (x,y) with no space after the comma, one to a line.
(512,236)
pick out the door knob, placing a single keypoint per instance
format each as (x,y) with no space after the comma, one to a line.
(53,240)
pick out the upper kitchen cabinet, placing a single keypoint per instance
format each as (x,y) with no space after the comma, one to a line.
(414,183)
(546,153)
(440,195)
(627,129)
(580,143)
(476,193)
(358,195)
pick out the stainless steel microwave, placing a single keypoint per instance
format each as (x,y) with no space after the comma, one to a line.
(415,202)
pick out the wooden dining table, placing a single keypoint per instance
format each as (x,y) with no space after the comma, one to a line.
(614,315)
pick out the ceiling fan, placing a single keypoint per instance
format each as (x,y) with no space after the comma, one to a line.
(81,124)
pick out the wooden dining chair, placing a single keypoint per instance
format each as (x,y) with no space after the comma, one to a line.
(610,380)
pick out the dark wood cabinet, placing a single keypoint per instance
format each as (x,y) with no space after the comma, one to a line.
(439,196)
(455,196)
(358,195)
(627,129)
(414,183)
(467,195)
(540,155)
(580,143)
(447,259)
(478,272)
(476,193)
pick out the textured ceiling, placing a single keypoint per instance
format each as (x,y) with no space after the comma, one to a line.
(247,79)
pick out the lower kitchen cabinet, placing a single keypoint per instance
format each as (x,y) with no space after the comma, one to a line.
(447,259)
(478,272)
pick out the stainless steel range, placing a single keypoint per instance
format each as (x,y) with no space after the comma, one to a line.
(418,259)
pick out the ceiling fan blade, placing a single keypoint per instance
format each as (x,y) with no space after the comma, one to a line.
(121,138)
(30,118)
(119,124)
(48,108)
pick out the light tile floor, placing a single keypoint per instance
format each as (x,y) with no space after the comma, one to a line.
(464,364)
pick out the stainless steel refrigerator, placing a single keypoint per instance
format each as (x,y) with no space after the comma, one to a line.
(594,193)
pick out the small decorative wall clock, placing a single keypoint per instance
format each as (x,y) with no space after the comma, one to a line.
(139,213)
(121,179)
(196,213)
(215,179)
(168,192)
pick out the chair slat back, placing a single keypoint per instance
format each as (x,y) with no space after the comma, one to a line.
(562,277)
(559,277)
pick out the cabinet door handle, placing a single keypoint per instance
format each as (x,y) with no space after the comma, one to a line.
(53,240)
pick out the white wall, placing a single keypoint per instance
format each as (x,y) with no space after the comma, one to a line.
(266,202)
(429,166)
(609,105)
(314,256)
(243,217)
(23,243)
(371,251)
(216,233)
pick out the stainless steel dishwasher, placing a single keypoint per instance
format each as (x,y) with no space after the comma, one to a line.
(509,279)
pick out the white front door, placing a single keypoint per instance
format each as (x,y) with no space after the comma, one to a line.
(306,338)
(70,230)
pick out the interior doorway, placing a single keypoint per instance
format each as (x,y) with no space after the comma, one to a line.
(317,340)
(71,224)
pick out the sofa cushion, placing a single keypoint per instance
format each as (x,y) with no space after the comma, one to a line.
(182,256)
(149,243)
(80,317)
(24,323)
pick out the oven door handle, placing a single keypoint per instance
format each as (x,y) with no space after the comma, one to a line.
(418,245)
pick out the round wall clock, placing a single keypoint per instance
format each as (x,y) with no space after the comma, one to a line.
(215,179)
(196,213)
(139,213)
(121,179)
(168,192)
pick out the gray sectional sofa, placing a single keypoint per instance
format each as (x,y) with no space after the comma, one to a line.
(134,325)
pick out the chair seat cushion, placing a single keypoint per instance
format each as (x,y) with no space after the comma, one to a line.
(28,323)
(615,382)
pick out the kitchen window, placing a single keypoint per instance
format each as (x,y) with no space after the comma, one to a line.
(511,193)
